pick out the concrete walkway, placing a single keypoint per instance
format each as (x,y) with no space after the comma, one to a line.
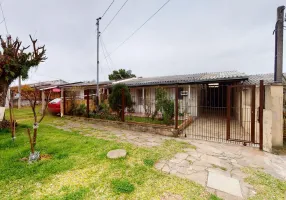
(216,166)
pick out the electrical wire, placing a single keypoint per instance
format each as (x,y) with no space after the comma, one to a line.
(107,8)
(104,46)
(134,32)
(4,19)
(114,16)
(103,51)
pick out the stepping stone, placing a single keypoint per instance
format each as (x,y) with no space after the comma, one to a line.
(225,184)
(118,153)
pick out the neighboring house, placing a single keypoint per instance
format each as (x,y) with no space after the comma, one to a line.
(80,91)
(45,87)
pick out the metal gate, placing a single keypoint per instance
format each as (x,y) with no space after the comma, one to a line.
(224,112)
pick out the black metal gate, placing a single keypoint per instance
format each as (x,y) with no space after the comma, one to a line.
(223,112)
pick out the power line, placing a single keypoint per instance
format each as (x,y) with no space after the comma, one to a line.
(139,28)
(4,19)
(107,8)
(102,48)
(114,16)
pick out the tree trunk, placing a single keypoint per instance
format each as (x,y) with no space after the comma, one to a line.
(4,85)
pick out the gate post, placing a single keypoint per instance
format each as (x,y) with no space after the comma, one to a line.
(123,105)
(64,102)
(261,107)
(176,106)
(252,124)
(228,113)
(87,103)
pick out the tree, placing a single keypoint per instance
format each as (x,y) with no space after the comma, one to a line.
(121,74)
(115,98)
(15,62)
(32,95)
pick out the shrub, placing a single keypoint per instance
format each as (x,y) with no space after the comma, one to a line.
(164,105)
(115,98)
(122,186)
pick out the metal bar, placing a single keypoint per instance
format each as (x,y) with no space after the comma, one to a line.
(87,103)
(261,107)
(228,113)
(123,105)
(176,106)
(253,113)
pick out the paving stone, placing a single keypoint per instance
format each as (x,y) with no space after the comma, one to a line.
(166,169)
(198,168)
(225,184)
(159,165)
(184,163)
(192,159)
(176,160)
(185,170)
(200,177)
(118,153)
(211,160)
(219,171)
(227,196)
(181,156)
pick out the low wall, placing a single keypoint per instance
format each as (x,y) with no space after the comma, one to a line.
(134,126)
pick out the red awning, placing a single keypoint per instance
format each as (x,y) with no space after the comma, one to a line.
(56,90)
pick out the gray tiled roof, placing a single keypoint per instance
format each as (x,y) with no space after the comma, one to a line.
(85,84)
(188,78)
(268,78)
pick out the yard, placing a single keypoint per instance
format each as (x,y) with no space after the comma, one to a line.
(75,166)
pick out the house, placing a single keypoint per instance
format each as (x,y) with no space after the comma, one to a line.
(223,106)
(45,87)
(81,93)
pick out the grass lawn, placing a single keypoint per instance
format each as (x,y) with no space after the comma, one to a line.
(79,169)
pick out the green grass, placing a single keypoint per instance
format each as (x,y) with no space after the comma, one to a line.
(122,186)
(266,186)
(79,168)
(219,167)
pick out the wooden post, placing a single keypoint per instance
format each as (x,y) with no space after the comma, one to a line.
(228,113)
(43,101)
(87,103)
(123,105)
(176,106)
(261,107)
(64,102)
(253,114)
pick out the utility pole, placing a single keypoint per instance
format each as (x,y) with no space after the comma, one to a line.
(97,87)
(19,92)
(279,27)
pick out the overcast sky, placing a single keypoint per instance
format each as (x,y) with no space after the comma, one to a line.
(185,37)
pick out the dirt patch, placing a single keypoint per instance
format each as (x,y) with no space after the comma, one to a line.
(45,157)
(25,159)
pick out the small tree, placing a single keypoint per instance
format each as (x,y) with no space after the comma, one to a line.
(164,105)
(31,95)
(115,98)
(121,74)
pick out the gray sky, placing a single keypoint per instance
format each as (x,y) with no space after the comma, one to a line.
(184,37)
